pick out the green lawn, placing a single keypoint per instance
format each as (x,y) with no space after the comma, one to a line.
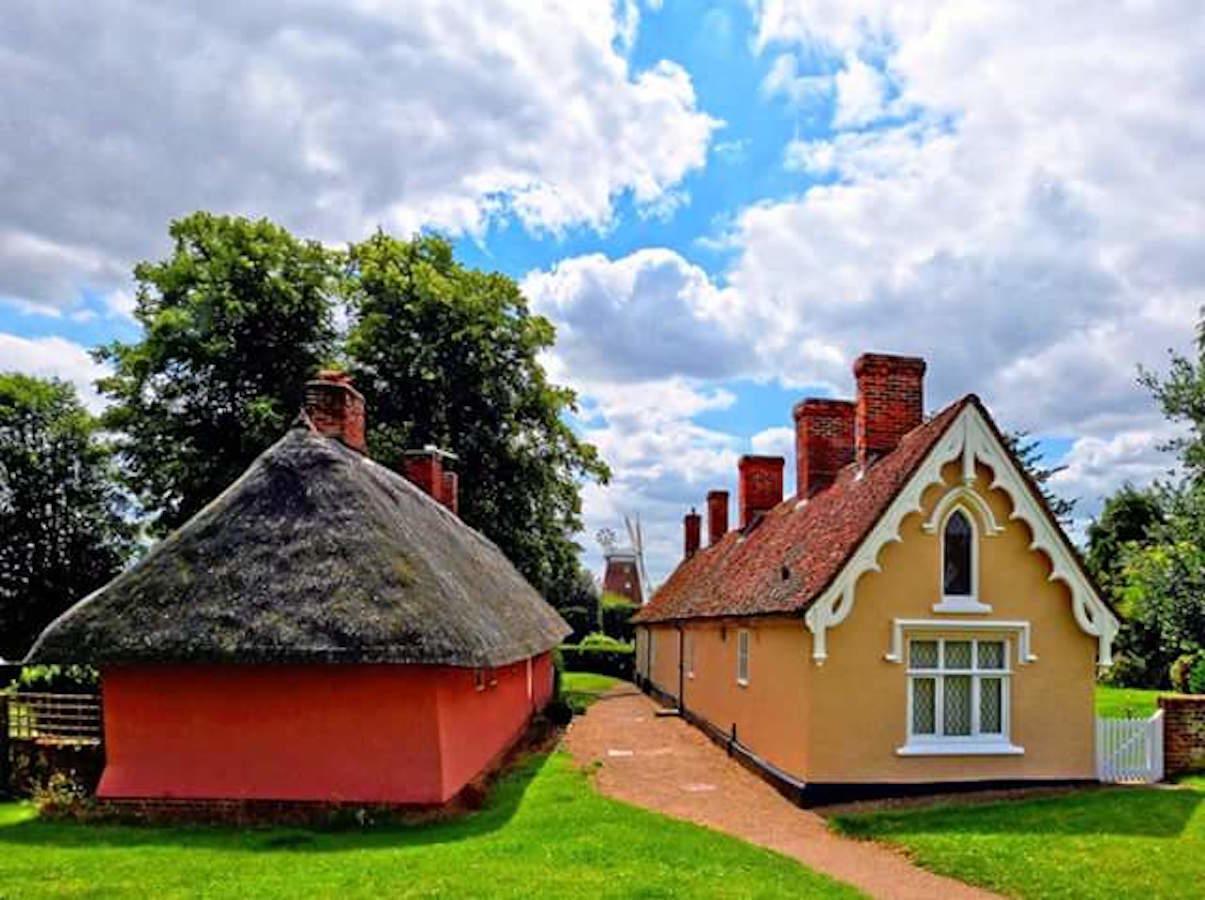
(1125,703)
(1108,842)
(580,689)
(545,832)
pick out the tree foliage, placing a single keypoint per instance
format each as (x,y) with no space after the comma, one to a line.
(448,355)
(1128,520)
(234,322)
(1161,587)
(64,525)
(242,314)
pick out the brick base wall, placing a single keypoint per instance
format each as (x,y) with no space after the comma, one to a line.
(1183,732)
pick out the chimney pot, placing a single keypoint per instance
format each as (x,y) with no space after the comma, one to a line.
(692,526)
(760,485)
(824,442)
(717,516)
(890,402)
(336,408)
(425,468)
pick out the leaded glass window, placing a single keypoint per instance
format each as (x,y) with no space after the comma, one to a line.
(957,688)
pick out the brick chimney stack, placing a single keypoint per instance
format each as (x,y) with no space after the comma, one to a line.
(760,485)
(824,442)
(336,409)
(425,468)
(890,402)
(692,526)
(717,516)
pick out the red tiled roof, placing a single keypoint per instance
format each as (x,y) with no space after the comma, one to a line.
(785,560)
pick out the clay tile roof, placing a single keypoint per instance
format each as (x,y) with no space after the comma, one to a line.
(787,561)
(315,554)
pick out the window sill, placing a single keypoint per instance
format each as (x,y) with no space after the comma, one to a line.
(961,605)
(960,748)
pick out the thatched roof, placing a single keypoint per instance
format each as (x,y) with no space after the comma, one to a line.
(315,554)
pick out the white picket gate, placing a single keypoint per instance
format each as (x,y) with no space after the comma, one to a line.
(1130,751)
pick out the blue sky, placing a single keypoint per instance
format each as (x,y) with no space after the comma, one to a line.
(720,205)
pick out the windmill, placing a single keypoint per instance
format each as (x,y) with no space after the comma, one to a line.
(636,535)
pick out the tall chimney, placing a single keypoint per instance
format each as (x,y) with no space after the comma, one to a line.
(692,525)
(336,409)
(890,402)
(425,468)
(824,442)
(717,516)
(760,485)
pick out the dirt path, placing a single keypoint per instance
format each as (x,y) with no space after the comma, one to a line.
(666,765)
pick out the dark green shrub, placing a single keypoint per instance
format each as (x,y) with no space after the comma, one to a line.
(597,641)
(618,661)
(1196,675)
(617,612)
(559,713)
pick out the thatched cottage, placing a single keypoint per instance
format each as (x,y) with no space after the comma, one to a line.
(912,616)
(324,630)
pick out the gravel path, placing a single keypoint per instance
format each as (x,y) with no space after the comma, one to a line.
(661,763)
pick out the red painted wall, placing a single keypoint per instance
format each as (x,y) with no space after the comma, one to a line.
(351,733)
(476,726)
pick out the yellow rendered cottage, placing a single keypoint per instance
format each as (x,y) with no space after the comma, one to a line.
(912,618)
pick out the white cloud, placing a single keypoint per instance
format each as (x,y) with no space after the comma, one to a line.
(1024,210)
(646,315)
(123,115)
(54,357)
(662,461)
(785,80)
(861,93)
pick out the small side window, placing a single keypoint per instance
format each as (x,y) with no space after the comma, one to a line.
(742,657)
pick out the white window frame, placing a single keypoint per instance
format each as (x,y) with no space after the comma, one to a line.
(976,743)
(742,657)
(959,603)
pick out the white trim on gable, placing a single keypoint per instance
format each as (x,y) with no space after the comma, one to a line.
(968,438)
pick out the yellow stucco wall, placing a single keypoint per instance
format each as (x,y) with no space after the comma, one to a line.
(843,721)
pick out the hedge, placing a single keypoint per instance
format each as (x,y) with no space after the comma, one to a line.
(616,662)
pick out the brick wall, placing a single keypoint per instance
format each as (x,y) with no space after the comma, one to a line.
(1183,732)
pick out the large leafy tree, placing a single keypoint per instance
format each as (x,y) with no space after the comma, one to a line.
(449,355)
(234,322)
(64,524)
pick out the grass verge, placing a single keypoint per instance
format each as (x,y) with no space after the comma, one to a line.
(544,832)
(580,689)
(1107,842)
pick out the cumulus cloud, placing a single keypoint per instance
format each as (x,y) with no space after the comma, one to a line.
(647,315)
(55,357)
(1013,192)
(124,115)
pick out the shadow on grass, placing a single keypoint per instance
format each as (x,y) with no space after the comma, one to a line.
(1113,811)
(501,806)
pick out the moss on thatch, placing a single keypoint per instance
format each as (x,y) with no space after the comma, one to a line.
(315,554)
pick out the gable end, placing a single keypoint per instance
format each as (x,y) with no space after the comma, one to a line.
(971,437)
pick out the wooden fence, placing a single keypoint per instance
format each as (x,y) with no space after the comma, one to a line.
(65,719)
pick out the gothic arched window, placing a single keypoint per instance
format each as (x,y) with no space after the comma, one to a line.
(957,549)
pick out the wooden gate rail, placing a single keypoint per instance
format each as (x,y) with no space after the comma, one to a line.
(54,718)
